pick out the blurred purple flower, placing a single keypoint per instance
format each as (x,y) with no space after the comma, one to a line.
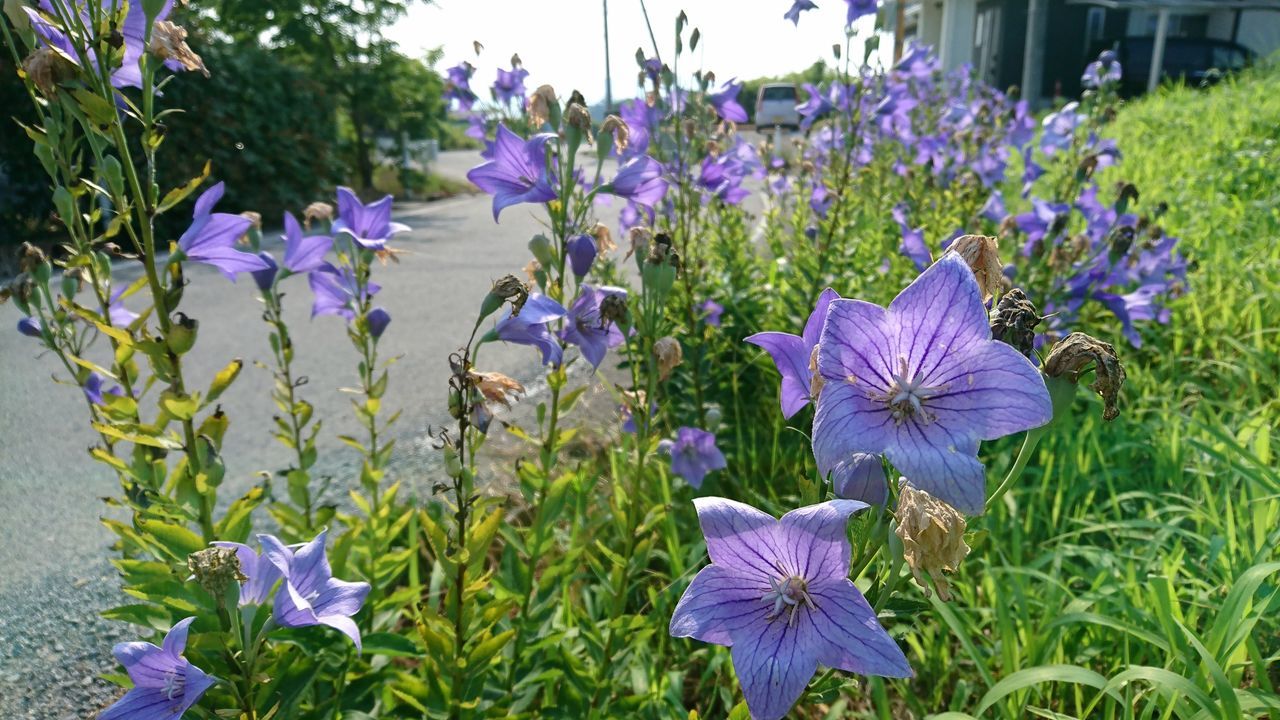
(165,684)
(693,454)
(310,594)
(517,173)
(510,85)
(337,292)
(777,592)
(913,245)
(587,328)
(858,8)
(458,86)
(711,312)
(922,382)
(117,314)
(639,180)
(1060,129)
(303,254)
(798,7)
(1045,219)
(211,238)
(814,108)
(725,101)
(582,253)
(378,320)
(993,209)
(793,355)
(530,327)
(476,128)
(31,327)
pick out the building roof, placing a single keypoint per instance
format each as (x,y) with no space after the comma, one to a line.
(1182,5)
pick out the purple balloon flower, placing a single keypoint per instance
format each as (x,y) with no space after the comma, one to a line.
(725,101)
(711,312)
(510,84)
(798,7)
(211,238)
(303,254)
(517,173)
(777,592)
(912,245)
(858,8)
(165,684)
(861,477)
(586,328)
(582,253)
(922,382)
(1060,129)
(336,291)
(1044,220)
(369,225)
(31,327)
(133,30)
(814,108)
(117,314)
(793,355)
(266,277)
(693,454)
(262,574)
(311,595)
(458,85)
(639,180)
(530,327)
(378,319)
(94,392)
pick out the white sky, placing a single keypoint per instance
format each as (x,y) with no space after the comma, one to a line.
(561,42)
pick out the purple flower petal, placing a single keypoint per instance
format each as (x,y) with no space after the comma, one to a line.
(816,539)
(718,603)
(792,360)
(774,665)
(851,637)
(740,538)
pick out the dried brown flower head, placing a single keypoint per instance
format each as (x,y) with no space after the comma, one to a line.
(540,104)
(47,67)
(619,129)
(1014,321)
(317,211)
(669,354)
(982,253)
(578,117)
(496,387)
(640,238)
(169,42)
(932,534)
(1076,353)
(817,381)
(604,238)
(215,569)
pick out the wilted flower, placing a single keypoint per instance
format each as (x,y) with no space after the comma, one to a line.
(317,211)
(982,254)
(693,454)
(496,387)
(604,238)
(792,355)
(169,43)
(369,225)
(669,354)
(1014,321)
(47,68)
(777,592)
(211,238)
(540,104)
(932,535)
(165,684)
(310,594)
(215,569)
(922,382)
(588,328)
(1075,354)
(259,575)
(618,129)
(517,173)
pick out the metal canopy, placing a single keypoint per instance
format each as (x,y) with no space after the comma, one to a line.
(1182,5)
(1165,8)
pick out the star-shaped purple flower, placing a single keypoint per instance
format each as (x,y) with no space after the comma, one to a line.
(586,328)
(777,592)
(336,291)
(517,173)
(725,101)
(793,355)
(369,225)
(311,595)
(510,84)
(165,684)
(211,238)
(922,382)
(693,454)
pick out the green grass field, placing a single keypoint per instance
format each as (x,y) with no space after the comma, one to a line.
(1133,572)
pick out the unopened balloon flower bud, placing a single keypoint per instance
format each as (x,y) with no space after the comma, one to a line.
(72,280)
(618,129)
(932,534)
(714,417)
(1075,354)
(669,354)
(982,254)
(540,246)
(169,42)
(452,465)
(216,569)
(182,333)
(1014,321)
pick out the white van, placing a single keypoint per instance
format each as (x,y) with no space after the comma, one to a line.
(776,105)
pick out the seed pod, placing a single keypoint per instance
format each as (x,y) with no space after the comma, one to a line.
(215,569)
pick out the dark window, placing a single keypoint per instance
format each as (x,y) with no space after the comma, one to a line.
(780,92)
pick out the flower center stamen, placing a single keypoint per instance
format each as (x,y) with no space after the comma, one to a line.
(907,395)
(174,685)
(787,595)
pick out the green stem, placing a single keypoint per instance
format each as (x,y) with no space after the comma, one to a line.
(1024,456)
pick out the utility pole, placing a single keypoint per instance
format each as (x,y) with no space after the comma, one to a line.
(608,79)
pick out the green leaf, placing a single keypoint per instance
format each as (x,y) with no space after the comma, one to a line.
(222,381)
(1030,677)
(179,541)
(138,436)
(178,194)
(390,644)
(182,407)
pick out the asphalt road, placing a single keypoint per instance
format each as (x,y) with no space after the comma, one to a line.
(54,575)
